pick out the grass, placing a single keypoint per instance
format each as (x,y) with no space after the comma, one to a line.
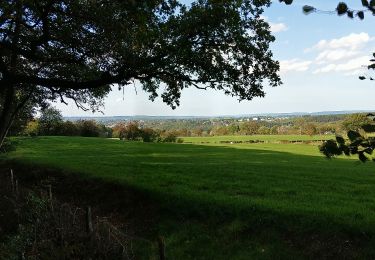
(235,201)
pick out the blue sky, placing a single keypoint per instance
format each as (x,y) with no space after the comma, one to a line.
(321,56)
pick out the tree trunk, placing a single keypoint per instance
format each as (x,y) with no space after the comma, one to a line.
(7,113)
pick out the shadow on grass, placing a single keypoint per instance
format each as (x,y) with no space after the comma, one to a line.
(316,207)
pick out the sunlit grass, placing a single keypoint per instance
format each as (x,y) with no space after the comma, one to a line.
(269,187)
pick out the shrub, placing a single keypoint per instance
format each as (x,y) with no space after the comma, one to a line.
(69,128)
(169,137)
(88,128)
(50,122)
(130,132)
(149,135)
(31,128)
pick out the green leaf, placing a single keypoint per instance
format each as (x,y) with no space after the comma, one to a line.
(340,139)
(350,14)
(365,3)
(307,9)
(362,77)
(353,149)
(361,15)
(342,8)
(368,150)
(362,157)
(353,135)
(288,2)
(329,148)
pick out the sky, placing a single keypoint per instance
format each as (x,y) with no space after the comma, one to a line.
(321,56)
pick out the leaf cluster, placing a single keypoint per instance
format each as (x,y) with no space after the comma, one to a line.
(78,49)
(357,144)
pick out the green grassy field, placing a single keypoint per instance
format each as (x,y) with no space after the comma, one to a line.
(235,201)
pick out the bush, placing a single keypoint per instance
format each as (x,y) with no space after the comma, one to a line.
(69,128)
(88,128)
(32,128)
(149,135)
(129,131)
(169,137)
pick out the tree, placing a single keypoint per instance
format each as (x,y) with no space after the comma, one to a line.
(309,129)
(50,121)
(88,128)
(249,128)
(355,122)
(78,49)
(130,131)
(24,116)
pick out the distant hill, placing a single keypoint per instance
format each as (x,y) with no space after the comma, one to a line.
(150,118)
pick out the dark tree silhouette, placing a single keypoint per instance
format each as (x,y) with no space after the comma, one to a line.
(57,49)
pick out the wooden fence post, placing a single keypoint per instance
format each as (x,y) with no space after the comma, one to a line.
(89,227)
(161,244)
(12,179)
(16,188)
(50,197)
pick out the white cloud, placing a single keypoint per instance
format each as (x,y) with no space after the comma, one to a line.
(348,54)
(353,41)
(335,55)
(294,65)
(278,27)
(275,27)
(352,66)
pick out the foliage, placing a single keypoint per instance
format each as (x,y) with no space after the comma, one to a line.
(149,135)
(53,50)
(69,128)
(32,128)
(50,121)
(249,128)
(357,122)
(358,145)
(168,137)
(130,131)
(20,122)
(88,128)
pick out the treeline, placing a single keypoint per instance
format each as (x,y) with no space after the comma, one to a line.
(51,122)
(85,128)
(303,125)
(262,128)
(131,131)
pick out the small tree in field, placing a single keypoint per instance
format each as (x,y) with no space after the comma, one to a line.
(50,121)
(130,131)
